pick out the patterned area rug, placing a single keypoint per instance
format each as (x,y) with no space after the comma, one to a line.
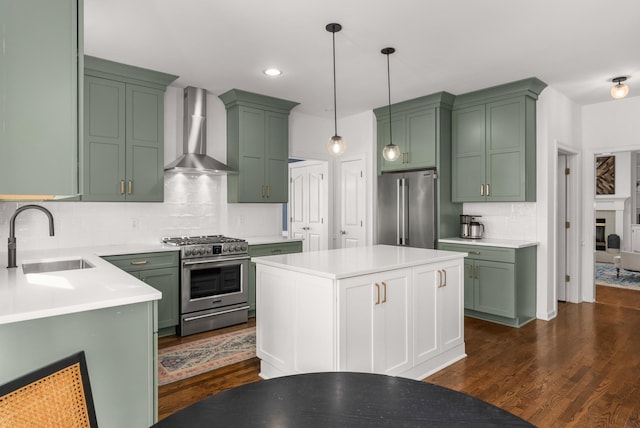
(606,275)
(190,359)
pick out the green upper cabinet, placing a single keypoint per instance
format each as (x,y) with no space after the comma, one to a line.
(494,143)
(257,146)
(422,130)
(39,79)
(123,132)
(415,130)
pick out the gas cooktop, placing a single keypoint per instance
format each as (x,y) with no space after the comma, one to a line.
(200,240)
(214,246)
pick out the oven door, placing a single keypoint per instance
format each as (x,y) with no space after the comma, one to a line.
(209,284)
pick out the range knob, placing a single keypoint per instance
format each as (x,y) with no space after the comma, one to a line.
(187,251)
(244,247)
(201,251)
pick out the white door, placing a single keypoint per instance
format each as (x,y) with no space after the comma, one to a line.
(352,206)
(308,204)
(561,279)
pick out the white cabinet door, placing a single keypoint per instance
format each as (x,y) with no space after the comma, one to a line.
(375,314)
(450,306)
(438,310)
(392,341)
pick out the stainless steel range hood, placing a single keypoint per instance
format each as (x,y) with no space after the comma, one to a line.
(194,158)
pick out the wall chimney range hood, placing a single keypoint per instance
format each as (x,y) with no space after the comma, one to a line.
(194,158)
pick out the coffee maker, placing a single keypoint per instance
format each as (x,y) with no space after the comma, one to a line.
(470,228)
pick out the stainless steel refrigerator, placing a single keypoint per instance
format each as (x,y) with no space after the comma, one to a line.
(407,208)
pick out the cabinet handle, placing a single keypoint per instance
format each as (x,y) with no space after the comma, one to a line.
(477,253)
(439,278)
(377,293)
(384,285)
(470,275)
(445,277)
(482,190)
(475,270)
(262,191)
(130,187)
(488,189)
(122,187)
(139,262)
(268,191)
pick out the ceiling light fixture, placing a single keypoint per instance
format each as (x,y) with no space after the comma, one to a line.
(390,152)
(620,90)
(272,72)
(336,145)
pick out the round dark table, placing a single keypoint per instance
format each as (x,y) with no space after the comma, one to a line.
(341,399)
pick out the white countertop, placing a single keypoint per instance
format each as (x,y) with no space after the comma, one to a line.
(31,296)
(490,242)
(275,239)
(348,262)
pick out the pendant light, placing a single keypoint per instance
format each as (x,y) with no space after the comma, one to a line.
(620,90)
(336,145)
(390,152)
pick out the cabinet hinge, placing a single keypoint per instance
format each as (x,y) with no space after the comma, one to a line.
(567,224)
(361,223)
(361,175)
(322,220)
(567,278)
(322,176)
(567,171)
(290,179)
(291,219)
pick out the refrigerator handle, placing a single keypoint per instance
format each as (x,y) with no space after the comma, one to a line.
(405,212)
(398,211)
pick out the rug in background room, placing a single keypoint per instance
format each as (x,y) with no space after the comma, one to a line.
(606,275)
(189,359)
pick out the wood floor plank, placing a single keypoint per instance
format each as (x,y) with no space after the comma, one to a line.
(577,370)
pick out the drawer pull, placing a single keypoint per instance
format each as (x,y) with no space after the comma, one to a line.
(139,262)
(276,250)
(477,253)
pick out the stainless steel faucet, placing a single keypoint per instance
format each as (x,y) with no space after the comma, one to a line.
(12,230)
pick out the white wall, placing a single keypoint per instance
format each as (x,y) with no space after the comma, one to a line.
(607,127)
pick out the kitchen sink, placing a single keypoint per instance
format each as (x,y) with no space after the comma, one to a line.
(56,265)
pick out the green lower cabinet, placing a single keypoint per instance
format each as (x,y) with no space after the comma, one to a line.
(499,283)
(162,272)
(266,250)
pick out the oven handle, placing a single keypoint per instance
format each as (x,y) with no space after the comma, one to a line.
(216,313)
(199,262)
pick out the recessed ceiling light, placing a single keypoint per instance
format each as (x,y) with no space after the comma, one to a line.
(272,72)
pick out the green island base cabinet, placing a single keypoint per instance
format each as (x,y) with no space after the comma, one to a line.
(123,144)
(499,282)
(161,271)
(121,351)
(260,250)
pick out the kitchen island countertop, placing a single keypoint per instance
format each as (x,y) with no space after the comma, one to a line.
(273,239)
(348,262)
(39,295)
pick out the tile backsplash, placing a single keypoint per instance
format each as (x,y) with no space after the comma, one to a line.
(194,205)
(515,220)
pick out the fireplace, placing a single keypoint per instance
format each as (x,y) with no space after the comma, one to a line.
(601,243)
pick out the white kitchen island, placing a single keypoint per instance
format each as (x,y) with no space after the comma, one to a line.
(378,309)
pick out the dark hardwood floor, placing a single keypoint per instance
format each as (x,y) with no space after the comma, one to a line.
(579,370)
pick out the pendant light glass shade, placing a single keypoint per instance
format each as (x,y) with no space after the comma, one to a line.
(620,90)
(390,152)
(336,145)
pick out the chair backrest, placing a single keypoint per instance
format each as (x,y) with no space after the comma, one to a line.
(58,395)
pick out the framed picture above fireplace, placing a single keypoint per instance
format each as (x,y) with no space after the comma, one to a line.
(605,175)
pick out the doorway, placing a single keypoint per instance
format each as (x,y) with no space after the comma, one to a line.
(352,203)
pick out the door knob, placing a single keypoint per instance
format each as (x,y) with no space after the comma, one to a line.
(343,232)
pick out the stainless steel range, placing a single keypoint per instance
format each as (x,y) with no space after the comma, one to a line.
(214,282)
